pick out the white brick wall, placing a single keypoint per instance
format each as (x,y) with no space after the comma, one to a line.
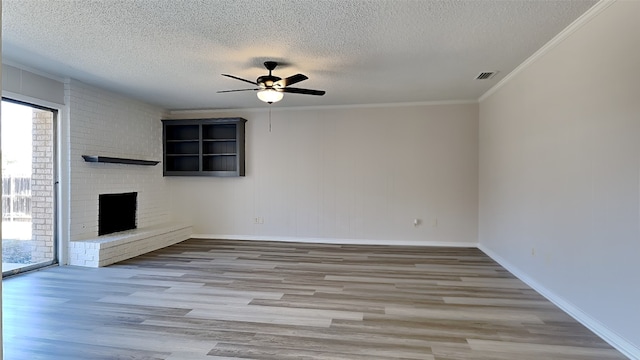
(113,248)
(104,123)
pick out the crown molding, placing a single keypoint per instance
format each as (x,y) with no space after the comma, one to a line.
(562,36)
(197,112)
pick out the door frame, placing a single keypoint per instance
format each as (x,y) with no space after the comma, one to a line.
(56,111)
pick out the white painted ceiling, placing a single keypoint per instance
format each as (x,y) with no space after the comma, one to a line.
(171,52)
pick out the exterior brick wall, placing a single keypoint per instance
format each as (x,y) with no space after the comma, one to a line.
(42,195)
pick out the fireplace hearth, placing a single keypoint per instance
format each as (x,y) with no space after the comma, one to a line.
(117,212)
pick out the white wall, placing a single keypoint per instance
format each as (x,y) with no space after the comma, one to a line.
(107,124)
(358,175)
(560,174)
(1,332)
(19,81)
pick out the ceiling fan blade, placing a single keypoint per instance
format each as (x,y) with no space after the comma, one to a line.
(291,80)
(226,91)
(241,79)
(303,91)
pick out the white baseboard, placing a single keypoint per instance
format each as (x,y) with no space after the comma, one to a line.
(621,344)
(335,240)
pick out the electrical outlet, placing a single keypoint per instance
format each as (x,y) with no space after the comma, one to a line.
(261,220)
(256,220)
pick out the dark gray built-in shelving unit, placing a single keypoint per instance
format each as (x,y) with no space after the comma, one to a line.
(204,147)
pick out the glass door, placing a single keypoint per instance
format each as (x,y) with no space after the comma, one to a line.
(28,190)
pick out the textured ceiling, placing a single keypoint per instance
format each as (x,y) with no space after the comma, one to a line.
(171,52)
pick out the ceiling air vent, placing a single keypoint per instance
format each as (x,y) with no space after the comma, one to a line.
(486,75)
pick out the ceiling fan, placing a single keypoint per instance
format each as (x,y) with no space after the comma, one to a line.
(271,88)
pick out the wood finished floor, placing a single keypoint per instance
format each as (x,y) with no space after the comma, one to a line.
(213,299)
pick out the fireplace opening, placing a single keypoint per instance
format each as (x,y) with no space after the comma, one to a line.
(117,212)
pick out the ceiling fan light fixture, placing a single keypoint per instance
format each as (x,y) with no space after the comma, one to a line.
(270,96)
(271,88)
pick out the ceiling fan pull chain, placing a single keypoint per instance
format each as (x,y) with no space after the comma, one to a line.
(269,117)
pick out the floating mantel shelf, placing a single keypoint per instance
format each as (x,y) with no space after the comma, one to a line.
(114,160)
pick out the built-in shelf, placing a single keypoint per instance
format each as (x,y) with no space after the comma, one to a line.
(204,147)
(114,160)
